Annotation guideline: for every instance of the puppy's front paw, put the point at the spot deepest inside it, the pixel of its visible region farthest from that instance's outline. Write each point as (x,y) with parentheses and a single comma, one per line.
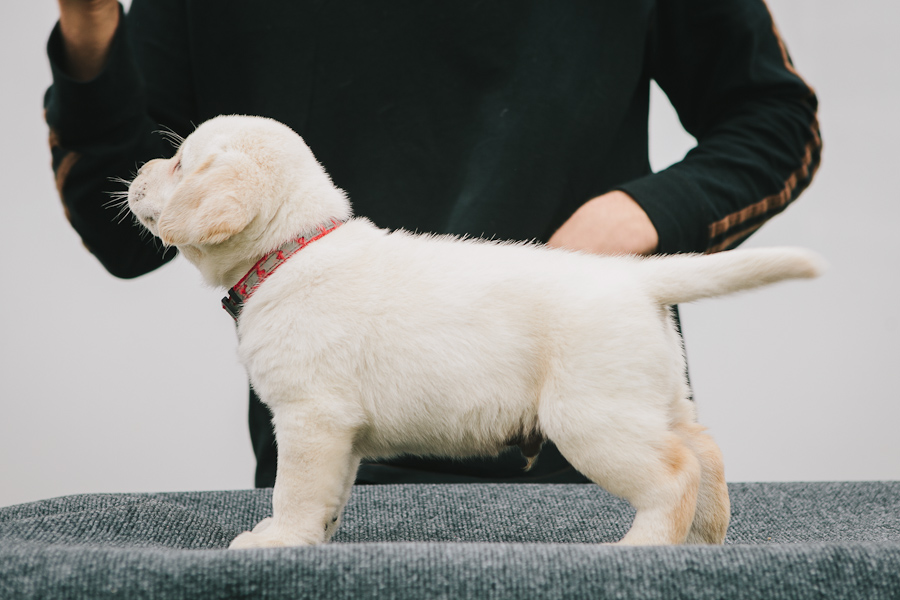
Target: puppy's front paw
(262,525)
(265,535)
(248,539)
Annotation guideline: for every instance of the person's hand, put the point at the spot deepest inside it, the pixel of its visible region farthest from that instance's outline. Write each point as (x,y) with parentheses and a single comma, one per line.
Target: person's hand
(87,27)
(609,224)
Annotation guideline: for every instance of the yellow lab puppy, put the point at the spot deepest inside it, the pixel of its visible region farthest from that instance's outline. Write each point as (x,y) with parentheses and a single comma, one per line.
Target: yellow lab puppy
(366,343)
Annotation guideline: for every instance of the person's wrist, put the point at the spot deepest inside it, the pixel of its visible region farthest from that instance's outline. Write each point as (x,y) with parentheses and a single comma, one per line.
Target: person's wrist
(613,223)
(87,28)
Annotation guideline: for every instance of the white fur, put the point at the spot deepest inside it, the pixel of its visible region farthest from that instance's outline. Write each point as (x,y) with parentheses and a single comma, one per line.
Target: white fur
(369,344)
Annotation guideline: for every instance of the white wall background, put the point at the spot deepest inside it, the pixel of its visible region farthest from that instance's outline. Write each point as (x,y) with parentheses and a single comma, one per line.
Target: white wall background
(119,386)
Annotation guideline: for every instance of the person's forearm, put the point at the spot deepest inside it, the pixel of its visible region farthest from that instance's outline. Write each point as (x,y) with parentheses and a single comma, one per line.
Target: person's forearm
(609,224)
(87,27)
(728,75)
(100,129)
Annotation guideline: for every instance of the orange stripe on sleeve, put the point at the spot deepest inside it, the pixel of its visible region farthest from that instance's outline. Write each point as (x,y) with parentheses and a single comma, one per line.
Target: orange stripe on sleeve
(731,225)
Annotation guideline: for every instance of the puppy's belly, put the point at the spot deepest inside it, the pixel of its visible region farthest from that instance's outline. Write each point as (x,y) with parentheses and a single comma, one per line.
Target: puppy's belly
(461,408)
(446,439)
(376,446)
(445,414)
(413,388)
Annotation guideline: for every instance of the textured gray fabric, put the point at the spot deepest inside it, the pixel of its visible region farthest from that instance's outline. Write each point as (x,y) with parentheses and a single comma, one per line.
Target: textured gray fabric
(787,540)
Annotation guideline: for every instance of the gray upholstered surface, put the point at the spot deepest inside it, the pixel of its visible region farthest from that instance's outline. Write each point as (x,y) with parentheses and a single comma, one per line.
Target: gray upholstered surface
(801,540)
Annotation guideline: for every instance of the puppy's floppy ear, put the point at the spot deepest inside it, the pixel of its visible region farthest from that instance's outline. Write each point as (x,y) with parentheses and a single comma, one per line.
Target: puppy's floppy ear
(212,203)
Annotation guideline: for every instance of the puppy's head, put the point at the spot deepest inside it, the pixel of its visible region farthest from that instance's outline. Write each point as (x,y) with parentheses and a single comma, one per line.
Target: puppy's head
(235,174)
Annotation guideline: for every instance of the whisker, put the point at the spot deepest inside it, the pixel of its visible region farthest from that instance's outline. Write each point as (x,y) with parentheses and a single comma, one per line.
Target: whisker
(170,136)
(117,200)
(122,180)
(120,203)
(123,213)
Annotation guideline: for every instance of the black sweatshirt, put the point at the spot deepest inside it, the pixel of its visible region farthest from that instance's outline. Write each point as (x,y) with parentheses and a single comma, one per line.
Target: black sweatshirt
(495,119)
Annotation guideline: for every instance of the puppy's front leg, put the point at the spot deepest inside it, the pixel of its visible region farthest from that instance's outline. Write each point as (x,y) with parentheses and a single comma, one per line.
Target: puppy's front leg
(352,468)
(316,469)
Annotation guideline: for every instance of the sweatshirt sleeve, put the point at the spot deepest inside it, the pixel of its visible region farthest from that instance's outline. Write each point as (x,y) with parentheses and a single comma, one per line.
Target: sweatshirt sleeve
(726,71)
(105,128)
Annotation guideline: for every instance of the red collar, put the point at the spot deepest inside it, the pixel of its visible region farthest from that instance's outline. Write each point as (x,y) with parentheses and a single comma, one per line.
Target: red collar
(240,293)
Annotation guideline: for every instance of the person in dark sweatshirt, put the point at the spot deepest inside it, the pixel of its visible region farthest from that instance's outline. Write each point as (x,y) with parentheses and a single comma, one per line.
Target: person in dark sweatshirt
(511,119)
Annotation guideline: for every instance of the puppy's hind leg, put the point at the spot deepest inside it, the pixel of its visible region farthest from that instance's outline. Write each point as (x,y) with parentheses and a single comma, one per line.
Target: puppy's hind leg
(316,468)
(642,462)
(713,506)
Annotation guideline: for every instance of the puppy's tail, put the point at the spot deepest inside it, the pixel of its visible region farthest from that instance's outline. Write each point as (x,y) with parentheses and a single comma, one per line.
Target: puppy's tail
(687,277)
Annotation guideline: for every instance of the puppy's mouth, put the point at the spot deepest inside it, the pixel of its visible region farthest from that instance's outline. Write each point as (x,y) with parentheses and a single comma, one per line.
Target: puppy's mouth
(147,220)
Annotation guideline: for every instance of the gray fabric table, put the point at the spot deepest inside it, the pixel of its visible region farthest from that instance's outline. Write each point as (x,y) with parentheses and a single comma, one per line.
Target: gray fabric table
(786,540)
